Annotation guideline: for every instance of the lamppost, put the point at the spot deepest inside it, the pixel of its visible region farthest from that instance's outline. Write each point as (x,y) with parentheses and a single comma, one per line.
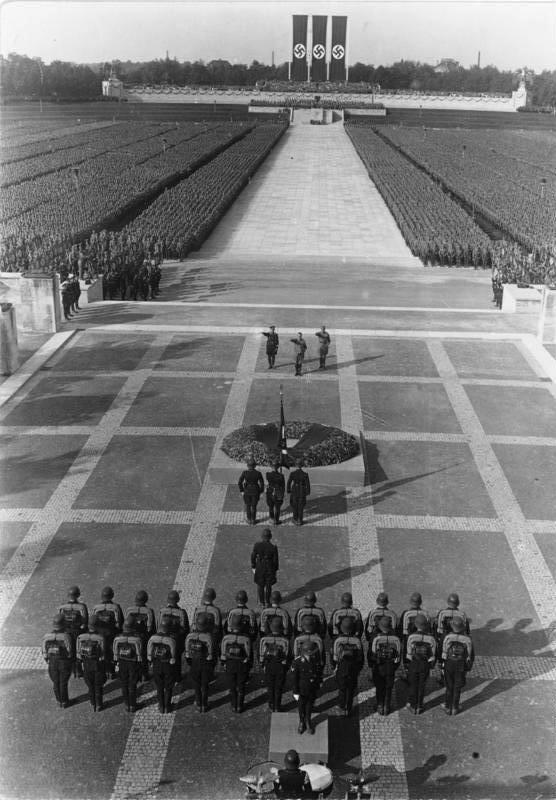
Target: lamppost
(543,187)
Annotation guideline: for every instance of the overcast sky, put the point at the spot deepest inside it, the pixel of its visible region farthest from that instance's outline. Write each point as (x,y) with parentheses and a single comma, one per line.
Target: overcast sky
(509,33)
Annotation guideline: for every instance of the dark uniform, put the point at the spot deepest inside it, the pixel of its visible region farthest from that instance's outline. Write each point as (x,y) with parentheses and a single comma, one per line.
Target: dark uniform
(275,491)
(272,342)
(346,611)
(110,620)
(310,609)
(406,624)
(420,654)
(237,657)
(265,565)
(251,486)
(347,658)
(200,656)
(300,348)
(178,626)
(384,656)
(141,619)
(381,610)
(76,618)
(272,612)
(91,654)
(307,676)
(161,653)
(292,782)
(128,655)
(242,618)
(298,488)
(457,660)
(275,658)
(443,624)
(324,344)
(310,635)
(65,288)
(213,613)
(57,649)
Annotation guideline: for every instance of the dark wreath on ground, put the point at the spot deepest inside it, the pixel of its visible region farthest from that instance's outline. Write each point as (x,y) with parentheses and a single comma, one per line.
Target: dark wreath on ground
(318,445)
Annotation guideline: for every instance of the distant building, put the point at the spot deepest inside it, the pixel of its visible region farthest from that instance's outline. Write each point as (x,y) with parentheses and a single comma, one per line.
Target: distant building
(447,65)
(113,87)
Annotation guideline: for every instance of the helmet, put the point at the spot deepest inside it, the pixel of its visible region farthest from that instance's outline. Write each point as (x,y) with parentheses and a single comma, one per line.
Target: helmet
(276,465)
(346,599)
(416,599)
(202,622)
(241,596)
(308,647)
(141,596)
(251,463)
(291,759)
(421,622)
(347,625)
(164,626)
(453,599)
(385,624)
(266,534)
(209,595)
(310,597)
(298,462)
(59,623)
(173,596)
(276,625)
(458,625)
(74,591)
(382,599)
(107,593)
(308,624)
(128,626)
(276,597)
(93,623)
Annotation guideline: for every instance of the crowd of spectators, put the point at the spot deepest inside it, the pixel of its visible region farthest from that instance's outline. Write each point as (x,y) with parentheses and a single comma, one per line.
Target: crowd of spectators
(293,101)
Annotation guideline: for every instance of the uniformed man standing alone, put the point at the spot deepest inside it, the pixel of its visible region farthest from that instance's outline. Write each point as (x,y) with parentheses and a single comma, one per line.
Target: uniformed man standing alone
(298,488)
(251,486)
(272,342)
(306,681)
(265,564)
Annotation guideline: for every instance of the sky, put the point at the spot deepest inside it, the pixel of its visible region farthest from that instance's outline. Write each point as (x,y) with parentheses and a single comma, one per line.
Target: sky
(508,33)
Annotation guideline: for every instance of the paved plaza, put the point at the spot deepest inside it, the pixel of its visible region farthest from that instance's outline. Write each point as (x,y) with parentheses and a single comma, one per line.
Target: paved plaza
(107,448)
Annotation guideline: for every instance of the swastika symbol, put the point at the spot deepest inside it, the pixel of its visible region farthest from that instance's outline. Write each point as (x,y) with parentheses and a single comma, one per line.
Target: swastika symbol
(299,50)
(318,51)
(338,51)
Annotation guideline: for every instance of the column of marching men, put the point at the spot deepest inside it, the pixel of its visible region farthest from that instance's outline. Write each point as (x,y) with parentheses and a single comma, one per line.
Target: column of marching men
(138,644)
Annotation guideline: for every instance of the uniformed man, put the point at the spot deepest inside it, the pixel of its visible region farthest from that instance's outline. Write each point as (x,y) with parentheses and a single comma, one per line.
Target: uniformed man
(275,658)
(242,617)
(292,782)
(75,292)
(310,609)
(272,342)
(324,344)
(76,618)
(91,653)
(213,615)
(347,658)
(444,618)
(275,610)
(309,634)
(381,610)
(298,488)
(307,676)
(65,289)
(275,491)
(178,626)
(128,655)
(200,656)
(141,619)
(237,657)
(110,620)
(384,656)
(251,486)
(420,654)
(406,624)
(457,661)
(161,653)
(57,650)
(264,565)
(346,610)
(300,348)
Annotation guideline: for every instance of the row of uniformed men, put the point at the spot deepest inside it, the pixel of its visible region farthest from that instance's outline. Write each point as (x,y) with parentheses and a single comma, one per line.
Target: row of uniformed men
(111,644)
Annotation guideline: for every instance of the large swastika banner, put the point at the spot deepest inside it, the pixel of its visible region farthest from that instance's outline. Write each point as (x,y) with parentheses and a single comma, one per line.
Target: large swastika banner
(338,49)
(299,48)
(318,54)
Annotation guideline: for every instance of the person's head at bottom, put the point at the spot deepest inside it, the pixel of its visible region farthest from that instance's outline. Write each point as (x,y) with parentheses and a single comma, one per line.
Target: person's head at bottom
(291,759)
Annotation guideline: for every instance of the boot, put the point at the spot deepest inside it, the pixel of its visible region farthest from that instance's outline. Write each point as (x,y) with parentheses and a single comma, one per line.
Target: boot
(168,700)
(240,701)
(301,727)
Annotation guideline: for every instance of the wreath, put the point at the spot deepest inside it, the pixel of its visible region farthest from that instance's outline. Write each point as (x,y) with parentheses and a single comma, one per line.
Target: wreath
(318,445)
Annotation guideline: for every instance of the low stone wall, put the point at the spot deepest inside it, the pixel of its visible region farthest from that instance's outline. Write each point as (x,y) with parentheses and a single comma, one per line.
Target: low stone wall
(36,298)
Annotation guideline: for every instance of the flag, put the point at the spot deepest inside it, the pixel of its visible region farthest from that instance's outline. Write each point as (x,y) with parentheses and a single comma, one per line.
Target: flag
(299,48)
(338,49)
(282,439)
(318,52)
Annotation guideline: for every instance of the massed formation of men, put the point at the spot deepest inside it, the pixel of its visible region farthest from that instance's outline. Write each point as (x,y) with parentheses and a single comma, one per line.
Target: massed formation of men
(137,644)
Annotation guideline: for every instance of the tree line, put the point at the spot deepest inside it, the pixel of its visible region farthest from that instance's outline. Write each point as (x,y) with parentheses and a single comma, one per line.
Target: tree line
(21,76)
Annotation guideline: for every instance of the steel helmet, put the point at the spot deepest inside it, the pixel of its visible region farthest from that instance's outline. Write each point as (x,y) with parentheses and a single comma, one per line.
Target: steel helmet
(241,596)
(346,599)
(382,599)
(141,596)
(209,595)
(310,597)
(453,599)
(107,593)
(291,759)
(416,599)
(74,591)
(173,596)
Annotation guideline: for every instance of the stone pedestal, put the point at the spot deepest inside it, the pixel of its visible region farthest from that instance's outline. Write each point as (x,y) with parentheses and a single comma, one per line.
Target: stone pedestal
(312,748)
(90,292)
(40,308)
(518,300)
(9,352)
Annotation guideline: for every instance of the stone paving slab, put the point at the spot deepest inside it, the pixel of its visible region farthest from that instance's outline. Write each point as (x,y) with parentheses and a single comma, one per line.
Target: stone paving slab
(530,472)
(407,407)
(507,410)
(197,353)
(302,401)
(547,543)
(11,535)
(488,359)
(178,401)
(393,357)
(105,353)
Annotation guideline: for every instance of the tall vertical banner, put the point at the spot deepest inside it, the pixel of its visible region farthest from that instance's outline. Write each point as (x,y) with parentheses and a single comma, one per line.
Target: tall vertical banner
(299,48)
(318,53)
(338,49)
